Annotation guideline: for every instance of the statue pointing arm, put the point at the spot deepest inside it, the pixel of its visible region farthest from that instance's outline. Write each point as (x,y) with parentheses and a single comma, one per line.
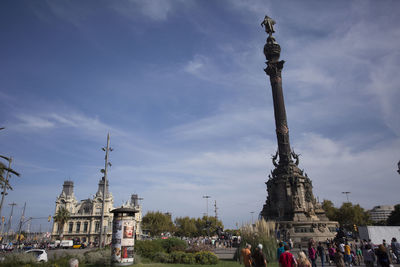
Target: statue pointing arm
(268,23)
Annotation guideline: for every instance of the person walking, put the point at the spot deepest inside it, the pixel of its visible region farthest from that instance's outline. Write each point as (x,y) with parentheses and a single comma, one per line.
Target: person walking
(246,256)
(369,256)
(382,256)
(280,250)
(359,254)
(331,252)
(287,259)
(302,260)
(395,249)
(339,258)
(321,253)
(259,257)
(312,253)
(347,254)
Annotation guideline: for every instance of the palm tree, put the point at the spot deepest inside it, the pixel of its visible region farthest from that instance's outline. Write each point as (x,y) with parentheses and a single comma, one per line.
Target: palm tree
(62,216)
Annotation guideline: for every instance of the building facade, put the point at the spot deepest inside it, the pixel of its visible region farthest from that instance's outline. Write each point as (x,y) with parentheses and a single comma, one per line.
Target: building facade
(381,213)
(85,215)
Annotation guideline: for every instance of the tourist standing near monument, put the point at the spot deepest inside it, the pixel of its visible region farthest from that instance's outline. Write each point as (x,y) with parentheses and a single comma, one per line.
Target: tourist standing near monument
(396,249)
(280,250)
(383,258)
(368,255)
(287,259)
(321,253)
(331,251)
(246,256)
(347,254)
(339,258)
(312,253)
(302,260)
(259,257)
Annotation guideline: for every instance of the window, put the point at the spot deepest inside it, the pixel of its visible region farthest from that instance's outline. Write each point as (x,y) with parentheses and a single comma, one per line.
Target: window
(71,225)
(85,227)
(97,227)
(78,227)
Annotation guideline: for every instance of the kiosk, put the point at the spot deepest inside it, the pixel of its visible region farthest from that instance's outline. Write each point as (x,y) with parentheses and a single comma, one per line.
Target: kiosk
(123,236)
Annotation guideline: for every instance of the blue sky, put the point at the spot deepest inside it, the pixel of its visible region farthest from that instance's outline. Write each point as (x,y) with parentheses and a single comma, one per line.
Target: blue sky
(180,87)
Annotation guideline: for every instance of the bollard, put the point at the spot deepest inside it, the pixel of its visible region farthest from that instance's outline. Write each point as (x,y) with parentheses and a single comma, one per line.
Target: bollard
(123,236)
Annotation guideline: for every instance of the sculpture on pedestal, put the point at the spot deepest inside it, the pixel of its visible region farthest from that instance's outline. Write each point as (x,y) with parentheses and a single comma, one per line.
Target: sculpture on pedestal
(290,200)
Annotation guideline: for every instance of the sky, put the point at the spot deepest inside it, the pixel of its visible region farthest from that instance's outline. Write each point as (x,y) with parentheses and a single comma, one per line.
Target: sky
(180,87)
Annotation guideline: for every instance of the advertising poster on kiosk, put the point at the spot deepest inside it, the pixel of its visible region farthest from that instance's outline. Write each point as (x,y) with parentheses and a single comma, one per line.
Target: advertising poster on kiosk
(128,241)
(116,241)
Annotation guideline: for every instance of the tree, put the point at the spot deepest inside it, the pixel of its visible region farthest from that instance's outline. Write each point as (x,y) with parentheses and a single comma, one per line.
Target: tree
(394,217)
(61,217)
(330,210)
(348,215)
(157,223)
(186,227)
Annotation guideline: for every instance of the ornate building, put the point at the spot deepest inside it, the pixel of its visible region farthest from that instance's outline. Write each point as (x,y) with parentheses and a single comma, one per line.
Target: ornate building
(85,215)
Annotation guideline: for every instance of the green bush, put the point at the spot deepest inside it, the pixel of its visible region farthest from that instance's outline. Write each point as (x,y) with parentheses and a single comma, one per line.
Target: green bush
(173,244)
(18,259)
(161,257)
(99,257)
(206,257)
(188,258)
(177,256)
(148,248)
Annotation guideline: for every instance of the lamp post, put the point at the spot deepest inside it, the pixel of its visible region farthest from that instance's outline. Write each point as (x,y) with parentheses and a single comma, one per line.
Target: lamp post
(347,195)
(206,197)
(104,171)
(207,224)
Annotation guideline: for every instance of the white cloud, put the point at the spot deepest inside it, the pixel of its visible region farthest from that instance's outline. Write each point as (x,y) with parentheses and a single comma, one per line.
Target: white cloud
(42,121)
(226,124)
(34,122)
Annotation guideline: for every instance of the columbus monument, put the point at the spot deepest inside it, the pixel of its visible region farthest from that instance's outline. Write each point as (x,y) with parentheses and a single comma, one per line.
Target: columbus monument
(290,200)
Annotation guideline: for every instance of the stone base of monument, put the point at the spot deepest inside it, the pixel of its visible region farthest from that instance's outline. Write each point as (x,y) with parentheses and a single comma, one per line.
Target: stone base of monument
(300,232)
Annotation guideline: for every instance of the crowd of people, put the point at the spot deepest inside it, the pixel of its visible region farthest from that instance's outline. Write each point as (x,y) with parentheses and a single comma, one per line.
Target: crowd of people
(341,253)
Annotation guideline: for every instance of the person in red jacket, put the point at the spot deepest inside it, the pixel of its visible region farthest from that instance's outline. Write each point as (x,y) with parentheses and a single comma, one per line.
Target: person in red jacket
(287,259)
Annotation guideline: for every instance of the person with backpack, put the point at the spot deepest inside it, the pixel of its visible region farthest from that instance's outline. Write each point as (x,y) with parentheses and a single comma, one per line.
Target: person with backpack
(383,258)
(259,258)
(312,253)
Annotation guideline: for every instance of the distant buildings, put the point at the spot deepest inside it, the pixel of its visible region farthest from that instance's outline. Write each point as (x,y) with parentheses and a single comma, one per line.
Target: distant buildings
(85,215)
(381,213)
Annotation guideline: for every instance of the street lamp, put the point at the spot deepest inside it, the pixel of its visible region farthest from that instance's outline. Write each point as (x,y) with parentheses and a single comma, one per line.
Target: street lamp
(347,195)
(206,197)
(252,221)
(207,223)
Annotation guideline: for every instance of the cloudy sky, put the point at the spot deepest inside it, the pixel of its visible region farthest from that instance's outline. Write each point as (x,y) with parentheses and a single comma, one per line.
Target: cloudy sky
(180,87)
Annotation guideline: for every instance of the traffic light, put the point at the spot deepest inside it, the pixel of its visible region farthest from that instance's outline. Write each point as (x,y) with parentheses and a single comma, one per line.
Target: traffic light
(355,228)
(49,219)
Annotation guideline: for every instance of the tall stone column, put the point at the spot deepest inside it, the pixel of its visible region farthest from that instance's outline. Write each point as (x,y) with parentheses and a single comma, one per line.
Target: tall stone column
(274,68)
